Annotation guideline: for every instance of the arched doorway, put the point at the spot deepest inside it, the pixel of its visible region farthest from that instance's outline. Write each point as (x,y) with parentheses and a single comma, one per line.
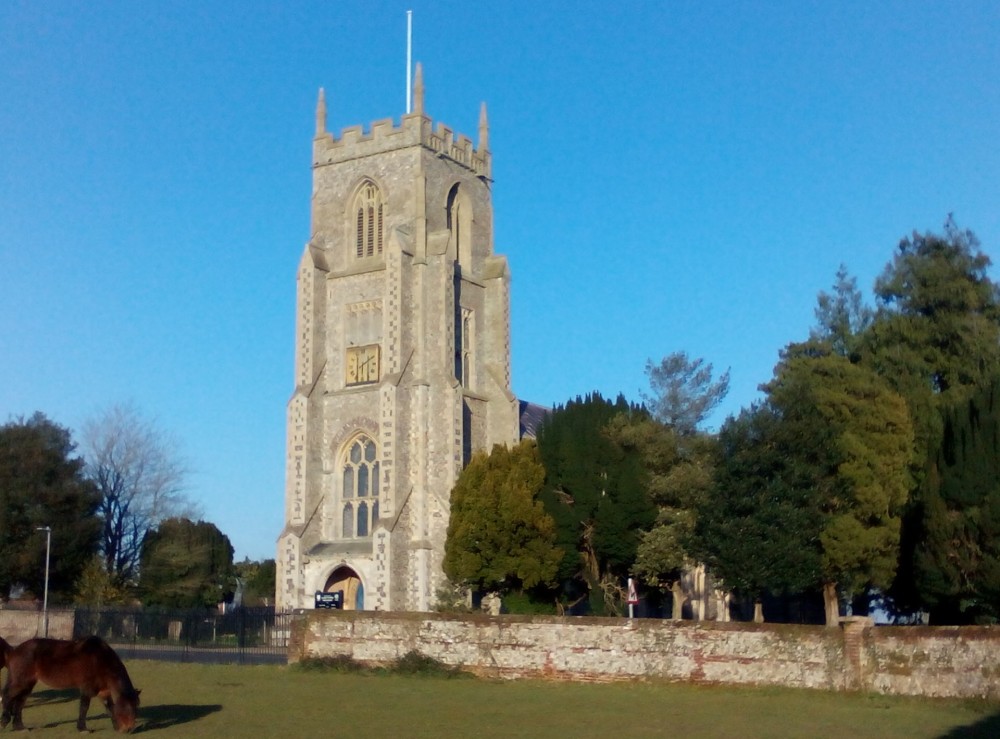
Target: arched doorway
(345,579)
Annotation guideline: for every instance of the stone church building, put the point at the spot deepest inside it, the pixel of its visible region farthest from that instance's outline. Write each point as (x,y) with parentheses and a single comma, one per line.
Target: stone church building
(402,359)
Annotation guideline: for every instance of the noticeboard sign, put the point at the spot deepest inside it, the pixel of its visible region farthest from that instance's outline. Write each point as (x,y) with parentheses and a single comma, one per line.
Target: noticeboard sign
(330,600)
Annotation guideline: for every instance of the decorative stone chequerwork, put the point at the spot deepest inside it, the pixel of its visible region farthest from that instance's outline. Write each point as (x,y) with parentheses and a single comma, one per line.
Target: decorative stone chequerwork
(402,338)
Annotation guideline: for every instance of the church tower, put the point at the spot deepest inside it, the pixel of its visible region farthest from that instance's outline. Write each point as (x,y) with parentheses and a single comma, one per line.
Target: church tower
(402,359)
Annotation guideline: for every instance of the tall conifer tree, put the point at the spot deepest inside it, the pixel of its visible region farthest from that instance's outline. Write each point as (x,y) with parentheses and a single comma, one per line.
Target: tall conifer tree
(957,557)
(597,492)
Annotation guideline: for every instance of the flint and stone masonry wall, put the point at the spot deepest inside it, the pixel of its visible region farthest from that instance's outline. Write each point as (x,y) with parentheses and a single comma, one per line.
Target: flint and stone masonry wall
(927,661)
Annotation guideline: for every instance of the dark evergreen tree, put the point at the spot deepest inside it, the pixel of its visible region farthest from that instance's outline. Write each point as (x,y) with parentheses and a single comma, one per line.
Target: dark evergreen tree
(42,484)
(597,492)
(759,531)
(957,555)
(186,564)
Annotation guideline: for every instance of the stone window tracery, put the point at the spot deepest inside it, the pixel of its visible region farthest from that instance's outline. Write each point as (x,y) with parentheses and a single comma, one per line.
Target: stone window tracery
(369,212)
(360,488)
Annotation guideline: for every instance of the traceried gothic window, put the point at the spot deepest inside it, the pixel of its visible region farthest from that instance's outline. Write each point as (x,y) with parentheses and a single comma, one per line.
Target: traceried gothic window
(360,491)
(369,213)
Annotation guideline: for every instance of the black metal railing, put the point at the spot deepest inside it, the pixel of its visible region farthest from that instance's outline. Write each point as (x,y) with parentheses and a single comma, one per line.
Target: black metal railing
(241,635)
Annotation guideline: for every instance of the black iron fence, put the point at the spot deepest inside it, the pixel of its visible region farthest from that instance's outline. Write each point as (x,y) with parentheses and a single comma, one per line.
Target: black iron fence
(241,635)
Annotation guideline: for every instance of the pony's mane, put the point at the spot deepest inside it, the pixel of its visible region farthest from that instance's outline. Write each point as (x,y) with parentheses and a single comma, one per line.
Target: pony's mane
(96,645)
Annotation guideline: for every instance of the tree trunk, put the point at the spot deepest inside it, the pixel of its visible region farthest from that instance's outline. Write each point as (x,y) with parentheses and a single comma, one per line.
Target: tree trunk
(758,612)
(831,604)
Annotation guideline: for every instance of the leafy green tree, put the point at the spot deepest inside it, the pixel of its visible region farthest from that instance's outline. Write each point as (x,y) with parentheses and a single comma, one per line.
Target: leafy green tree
(862,471)
(678,474)
(957,557)
(936,340)
(597,492)
(939,316)
(96,588)
(500,539)
(186,564)
(936,335)
(42,484)
(811,484)
(678,461)
(257,579)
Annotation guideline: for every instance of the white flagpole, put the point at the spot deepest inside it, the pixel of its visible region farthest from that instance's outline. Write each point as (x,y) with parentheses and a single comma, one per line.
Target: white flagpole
(409,48)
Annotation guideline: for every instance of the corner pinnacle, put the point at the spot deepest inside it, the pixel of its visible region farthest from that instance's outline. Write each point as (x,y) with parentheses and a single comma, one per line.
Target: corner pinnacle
(418,89)
(484,129)
(321,113)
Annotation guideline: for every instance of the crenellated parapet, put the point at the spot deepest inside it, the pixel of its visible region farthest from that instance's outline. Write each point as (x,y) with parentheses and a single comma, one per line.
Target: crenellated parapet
(414,129)
(383,136)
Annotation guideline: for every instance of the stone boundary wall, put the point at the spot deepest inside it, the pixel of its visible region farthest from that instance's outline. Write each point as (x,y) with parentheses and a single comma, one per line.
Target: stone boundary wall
(940,661)
(927,661)
(17,626)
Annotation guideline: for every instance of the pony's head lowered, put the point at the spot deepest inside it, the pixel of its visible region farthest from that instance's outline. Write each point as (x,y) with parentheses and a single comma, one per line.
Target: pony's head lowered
(124,708)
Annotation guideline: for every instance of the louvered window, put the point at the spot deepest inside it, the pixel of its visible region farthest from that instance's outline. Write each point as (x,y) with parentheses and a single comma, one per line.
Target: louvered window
(368,229)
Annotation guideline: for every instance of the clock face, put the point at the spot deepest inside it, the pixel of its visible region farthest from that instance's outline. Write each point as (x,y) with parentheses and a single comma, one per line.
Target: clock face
(352,366)
(362,364)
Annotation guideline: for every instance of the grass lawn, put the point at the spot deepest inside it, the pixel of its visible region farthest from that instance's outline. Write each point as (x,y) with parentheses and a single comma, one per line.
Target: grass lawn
(180,700)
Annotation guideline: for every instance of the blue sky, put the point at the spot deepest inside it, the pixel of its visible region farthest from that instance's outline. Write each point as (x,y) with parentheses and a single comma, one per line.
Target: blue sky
(668,176)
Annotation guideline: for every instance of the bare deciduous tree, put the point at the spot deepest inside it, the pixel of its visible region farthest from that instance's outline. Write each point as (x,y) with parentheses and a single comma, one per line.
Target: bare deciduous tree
(138,471)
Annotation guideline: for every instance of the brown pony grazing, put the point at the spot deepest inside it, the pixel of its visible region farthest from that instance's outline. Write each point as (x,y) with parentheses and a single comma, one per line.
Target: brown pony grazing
(89,665)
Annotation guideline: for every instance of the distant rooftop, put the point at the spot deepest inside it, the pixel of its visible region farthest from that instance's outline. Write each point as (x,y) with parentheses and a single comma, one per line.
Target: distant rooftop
(531,417)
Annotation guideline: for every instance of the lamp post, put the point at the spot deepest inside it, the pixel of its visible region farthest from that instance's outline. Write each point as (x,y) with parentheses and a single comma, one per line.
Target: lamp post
(45,600)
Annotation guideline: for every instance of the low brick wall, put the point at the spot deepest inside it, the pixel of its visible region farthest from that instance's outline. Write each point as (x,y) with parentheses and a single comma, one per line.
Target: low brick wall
(856,656)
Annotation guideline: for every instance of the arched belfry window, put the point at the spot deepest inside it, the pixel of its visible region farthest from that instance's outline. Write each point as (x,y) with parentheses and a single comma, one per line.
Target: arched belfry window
(459,211)
(360,493)
(369,215)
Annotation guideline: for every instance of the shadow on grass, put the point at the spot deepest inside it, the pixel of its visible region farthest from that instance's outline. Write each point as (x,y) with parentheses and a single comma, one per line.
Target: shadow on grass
(988,726)
(52,697)
(152,718)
